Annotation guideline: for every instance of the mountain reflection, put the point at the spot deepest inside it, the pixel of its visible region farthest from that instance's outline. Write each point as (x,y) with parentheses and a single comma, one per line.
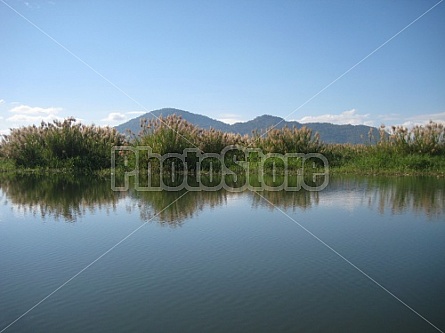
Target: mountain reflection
(70,198)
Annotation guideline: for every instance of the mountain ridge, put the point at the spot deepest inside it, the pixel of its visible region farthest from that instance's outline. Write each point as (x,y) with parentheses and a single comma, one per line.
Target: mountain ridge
(329,133)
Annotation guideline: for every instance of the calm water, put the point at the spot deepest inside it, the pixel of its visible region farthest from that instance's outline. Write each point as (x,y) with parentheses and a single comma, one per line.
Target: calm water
(222,262)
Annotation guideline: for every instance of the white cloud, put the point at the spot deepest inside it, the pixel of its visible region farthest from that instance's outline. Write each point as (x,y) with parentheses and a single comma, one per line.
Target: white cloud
(2,101)
(117,117)
(35,111)
(229,118)
(229,121)
(25,115)
(424,119)
(114,116)
(346,117)
(24,118)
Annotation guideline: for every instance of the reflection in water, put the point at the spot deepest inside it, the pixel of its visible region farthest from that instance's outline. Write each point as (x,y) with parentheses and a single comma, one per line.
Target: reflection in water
(165,207)
(418,195)
(395,195)
(286,200)
(59,196)
(70,198)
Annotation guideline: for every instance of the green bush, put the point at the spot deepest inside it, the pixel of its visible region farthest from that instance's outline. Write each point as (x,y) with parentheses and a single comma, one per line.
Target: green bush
(67,144)
(61,144)
(428,139)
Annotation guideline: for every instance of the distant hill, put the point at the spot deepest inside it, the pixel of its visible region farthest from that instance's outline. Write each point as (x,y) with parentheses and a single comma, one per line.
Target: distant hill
(196,119)
(329,133)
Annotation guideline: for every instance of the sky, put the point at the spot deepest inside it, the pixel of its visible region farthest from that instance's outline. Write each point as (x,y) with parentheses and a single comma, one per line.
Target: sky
(104,62)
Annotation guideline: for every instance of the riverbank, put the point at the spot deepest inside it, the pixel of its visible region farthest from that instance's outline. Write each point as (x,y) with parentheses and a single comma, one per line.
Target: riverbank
(410,166)
(71,148)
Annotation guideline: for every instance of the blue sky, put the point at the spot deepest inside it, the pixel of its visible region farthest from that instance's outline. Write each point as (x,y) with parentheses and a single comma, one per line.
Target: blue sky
(109,61)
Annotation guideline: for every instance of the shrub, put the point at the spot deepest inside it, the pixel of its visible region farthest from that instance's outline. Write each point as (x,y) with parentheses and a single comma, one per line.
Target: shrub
(61,144)
(288,140)
(428,139)
(171,134)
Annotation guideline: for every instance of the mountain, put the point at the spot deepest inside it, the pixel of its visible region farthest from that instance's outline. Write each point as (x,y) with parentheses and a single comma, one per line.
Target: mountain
(201,121)
(329,133)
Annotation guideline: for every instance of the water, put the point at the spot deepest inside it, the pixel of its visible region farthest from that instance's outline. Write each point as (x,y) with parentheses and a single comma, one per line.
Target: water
(220,261)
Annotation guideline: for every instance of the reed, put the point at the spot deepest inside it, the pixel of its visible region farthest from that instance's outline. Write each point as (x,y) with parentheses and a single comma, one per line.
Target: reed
(288,140)
(61,144)
(68,144)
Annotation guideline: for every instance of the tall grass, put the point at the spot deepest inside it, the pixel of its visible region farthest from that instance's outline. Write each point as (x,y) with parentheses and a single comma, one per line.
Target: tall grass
(400,150)
(287,140)
(61,144)
(427,140)
(67,144)
(172,134)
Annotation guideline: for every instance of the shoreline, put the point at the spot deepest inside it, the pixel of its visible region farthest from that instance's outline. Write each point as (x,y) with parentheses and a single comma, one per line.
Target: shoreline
(8,169)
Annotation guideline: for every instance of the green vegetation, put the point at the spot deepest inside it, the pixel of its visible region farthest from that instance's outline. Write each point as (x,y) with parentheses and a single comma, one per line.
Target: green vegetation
(71,146)
(60,145)
(6,164)
(420,150)
(173,134)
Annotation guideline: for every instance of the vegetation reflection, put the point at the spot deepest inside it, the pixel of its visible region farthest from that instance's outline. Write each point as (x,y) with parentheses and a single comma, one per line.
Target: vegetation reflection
(395,195)
(61,196)
(70,198)
(173,208)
